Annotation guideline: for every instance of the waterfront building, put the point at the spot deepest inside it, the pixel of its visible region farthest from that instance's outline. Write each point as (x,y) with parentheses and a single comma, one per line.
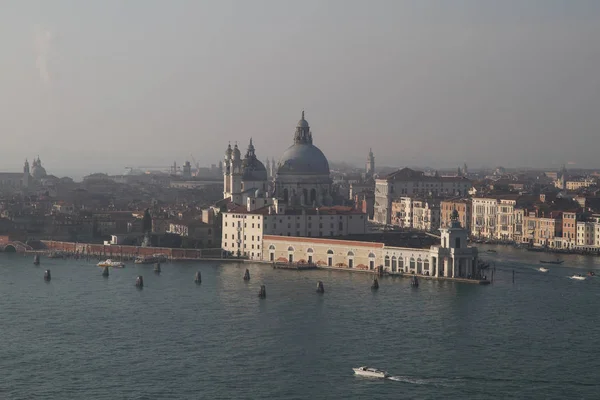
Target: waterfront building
(243,227)
(408,182)
(518,215)
(543,230)
(451,258)
(484,217)
(505,219)
(415,213)
(569,229)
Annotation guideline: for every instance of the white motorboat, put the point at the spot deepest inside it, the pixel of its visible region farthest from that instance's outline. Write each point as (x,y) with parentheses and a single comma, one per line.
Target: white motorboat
(370,372)
(542,269)
(111,263)
(578,277)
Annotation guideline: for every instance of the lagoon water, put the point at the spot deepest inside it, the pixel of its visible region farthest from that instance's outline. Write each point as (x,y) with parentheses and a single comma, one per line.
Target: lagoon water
(82,336)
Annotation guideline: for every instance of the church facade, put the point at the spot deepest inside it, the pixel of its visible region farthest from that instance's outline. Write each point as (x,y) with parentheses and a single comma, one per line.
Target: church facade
(24,180)
(300,178)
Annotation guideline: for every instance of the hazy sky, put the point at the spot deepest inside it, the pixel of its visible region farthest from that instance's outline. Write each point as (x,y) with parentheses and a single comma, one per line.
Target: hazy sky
(100,85)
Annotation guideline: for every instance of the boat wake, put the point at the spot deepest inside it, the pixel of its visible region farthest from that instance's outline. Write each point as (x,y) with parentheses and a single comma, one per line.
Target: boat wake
(421,381)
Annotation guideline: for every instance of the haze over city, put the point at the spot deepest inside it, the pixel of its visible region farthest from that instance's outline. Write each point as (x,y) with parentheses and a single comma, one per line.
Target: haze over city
(97,87)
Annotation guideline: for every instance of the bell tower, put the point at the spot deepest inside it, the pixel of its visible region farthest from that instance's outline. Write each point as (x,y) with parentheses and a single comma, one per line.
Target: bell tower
(370,164)
(26,175)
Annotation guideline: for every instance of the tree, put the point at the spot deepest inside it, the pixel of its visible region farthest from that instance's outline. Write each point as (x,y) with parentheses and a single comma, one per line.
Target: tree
(147,221)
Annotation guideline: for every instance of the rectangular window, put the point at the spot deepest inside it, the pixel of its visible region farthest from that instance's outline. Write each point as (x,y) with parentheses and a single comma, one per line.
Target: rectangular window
(225,236)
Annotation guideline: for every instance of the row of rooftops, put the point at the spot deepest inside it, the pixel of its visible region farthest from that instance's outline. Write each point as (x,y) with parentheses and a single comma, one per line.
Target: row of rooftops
(268,210)
(408,174)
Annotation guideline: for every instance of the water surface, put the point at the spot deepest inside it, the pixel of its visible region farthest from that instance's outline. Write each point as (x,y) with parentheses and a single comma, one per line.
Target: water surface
(85,336)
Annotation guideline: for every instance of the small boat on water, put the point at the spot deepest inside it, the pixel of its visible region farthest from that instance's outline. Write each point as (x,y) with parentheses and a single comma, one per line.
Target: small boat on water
(111,263)
(153,259)
(578,277)
(591,273)
(371,372)
(542,269)
(491,251)
(552,262)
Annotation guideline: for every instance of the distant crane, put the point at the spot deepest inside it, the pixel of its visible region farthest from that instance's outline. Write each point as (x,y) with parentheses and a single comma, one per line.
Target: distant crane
(196,163)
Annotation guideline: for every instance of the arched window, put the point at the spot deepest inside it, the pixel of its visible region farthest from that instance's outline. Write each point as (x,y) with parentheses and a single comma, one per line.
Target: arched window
(393,263)
(350,259)
(350,254)
(290,248)
(400,263)
(419,266)
(426,265)
(310,250)
(313,196)
(386,261)
(371,255)
(329,251)
(271,247)
(412,264)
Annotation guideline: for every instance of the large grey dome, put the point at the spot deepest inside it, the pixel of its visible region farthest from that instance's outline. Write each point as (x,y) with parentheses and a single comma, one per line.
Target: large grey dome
(303,159)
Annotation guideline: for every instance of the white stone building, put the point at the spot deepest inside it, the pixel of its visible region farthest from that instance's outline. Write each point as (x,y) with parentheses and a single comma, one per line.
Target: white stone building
(451,258)
(485,216)
(245,226)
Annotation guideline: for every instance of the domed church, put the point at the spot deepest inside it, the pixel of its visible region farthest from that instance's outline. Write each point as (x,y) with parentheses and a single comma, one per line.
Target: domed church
(302,176)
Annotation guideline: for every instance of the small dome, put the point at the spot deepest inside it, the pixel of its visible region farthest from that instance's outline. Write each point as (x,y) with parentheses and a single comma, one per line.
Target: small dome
(228,151)
(37,171)
(259,193)
(302,123)
(236,152)
(253,170)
